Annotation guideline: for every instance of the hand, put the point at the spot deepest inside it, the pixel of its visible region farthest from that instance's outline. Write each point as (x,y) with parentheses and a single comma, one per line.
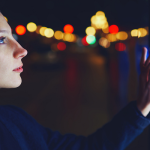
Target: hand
(143,101)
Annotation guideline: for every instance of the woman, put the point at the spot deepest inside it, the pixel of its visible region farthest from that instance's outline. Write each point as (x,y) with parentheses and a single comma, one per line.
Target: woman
(19,131)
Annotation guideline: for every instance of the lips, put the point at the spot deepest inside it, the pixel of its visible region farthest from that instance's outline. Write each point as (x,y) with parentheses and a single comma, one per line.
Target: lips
(18,68)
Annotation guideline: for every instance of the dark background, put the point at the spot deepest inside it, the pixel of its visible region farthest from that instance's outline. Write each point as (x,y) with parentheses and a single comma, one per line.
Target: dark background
(86,86)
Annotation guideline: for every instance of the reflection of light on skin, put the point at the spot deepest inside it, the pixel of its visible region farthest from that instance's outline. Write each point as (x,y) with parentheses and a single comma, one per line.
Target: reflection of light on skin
(122,35)
(142,32)
(6,19)
(38,29)
(134,32)
(42,29)
(49,32)
(15,37)
(58,35)
(31,27)
(90,31)
(111,37)
(104,42)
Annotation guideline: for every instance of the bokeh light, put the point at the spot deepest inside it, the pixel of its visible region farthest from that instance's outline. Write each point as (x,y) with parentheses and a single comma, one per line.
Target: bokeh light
(134,33)
(61,46)
(113,29)
(31,27)
(100,13)
(90,31)
(142,32)
(42,29)
(48,32)
(105,30)
(58,35)
(104,42)
(84,42)
(90,39)
(20,30)
(121,35)
(111,37)
(120,46)
(68,28)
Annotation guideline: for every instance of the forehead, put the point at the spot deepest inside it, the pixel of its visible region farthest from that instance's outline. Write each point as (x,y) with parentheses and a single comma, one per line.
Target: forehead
(3,24)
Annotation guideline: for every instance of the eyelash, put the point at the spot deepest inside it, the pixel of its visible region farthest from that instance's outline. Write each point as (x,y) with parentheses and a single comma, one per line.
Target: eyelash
(2,39)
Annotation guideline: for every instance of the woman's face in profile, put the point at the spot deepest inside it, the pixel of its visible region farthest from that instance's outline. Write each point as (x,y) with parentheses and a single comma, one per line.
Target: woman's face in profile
(11,53)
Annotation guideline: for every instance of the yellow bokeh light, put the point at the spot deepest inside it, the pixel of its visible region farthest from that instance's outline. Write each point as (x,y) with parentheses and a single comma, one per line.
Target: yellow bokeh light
(105,30)
(100,13)
(49,32)
(134,32)
(6,19)
(90,31)
(122,35)
(142,32)
(73,38)
(58,35)
(31,27)
(67,37)
(42,29)
(111,37)
(104,42)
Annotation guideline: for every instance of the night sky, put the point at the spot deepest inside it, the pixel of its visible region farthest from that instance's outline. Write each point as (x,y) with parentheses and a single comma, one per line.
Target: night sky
(127,14)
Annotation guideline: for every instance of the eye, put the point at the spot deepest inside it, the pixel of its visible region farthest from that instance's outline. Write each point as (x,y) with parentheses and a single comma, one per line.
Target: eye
(2,40)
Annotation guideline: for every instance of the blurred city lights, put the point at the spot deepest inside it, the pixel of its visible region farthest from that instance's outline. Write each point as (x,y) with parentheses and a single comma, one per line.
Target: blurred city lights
(142,32)
(104,42)
(134,32)
(90,31)
(61,46)
(31,27)
(15,37)
(99,20)
(113,29)
(20,30)
(90,39)
(67,37)
(58,35)
(84,42)
(6,19)
(105,30)
(120,46)
(48,32)
(121,35)
(100,13)
(68,28)
(42,29)
(38,29)
(111,37)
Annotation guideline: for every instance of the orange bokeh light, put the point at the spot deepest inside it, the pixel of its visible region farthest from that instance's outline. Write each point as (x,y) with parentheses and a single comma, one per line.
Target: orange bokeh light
(20,30)
(68,28)
(113,29)
(61,46)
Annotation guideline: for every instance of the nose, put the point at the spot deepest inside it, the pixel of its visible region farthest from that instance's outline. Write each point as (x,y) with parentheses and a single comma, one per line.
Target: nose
(20,52)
